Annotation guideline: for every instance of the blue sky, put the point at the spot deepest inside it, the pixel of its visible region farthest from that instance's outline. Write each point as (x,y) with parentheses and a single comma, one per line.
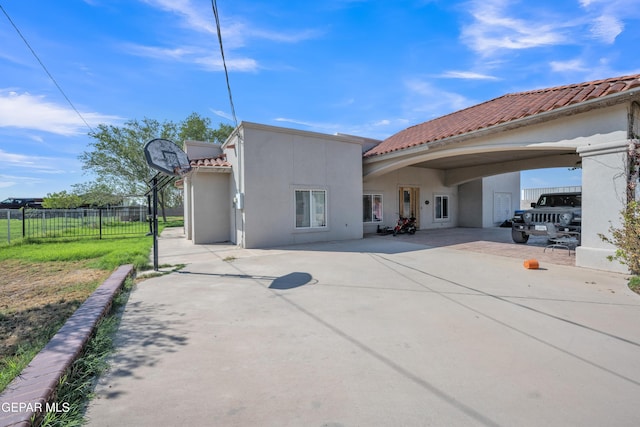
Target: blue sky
(369,68)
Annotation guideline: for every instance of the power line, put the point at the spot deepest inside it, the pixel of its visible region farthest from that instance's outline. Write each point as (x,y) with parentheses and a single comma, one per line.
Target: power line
(45,69)
(214,6)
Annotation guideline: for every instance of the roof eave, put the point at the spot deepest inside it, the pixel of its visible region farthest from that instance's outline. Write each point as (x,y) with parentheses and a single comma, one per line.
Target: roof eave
(569,110)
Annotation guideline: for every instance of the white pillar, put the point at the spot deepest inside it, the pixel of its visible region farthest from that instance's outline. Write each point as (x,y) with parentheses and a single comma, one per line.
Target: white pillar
(604,183)
(187,207)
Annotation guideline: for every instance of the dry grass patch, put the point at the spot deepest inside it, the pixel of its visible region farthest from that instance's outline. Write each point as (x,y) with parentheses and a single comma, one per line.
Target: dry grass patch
(37,296)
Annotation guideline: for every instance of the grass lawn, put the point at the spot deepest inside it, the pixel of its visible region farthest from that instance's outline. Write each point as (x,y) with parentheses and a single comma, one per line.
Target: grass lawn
(44,282)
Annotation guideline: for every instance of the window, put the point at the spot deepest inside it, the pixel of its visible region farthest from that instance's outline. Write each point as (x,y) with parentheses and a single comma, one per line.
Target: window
(311,208)
(442,208)
(372,208)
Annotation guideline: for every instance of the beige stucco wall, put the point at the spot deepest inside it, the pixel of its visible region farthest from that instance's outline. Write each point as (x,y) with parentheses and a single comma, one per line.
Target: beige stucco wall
(471,198)
(428,181)
(497,186)
(471,204)
(206,197)
(210,207)
(603,200)
(270,163)
(561,133)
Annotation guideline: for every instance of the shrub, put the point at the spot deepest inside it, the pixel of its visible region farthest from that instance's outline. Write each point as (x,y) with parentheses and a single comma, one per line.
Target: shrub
(627,238)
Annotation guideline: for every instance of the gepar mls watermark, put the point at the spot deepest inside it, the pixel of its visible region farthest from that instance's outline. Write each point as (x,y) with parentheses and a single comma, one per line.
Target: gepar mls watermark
(19,407)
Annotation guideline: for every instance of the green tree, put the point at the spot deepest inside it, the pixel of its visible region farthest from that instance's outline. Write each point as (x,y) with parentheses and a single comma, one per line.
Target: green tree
(197,128)
(97,194)
(61,200)
(116,154)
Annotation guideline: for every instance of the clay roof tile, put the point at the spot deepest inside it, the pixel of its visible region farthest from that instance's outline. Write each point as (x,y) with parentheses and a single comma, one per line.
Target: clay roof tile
(502,110)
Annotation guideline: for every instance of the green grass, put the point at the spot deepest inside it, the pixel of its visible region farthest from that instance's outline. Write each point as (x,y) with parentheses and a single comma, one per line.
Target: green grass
(105,254)
(76,387)
(49,257)
(634,284)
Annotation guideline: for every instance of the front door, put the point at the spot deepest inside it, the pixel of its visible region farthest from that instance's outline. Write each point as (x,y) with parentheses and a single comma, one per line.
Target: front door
(409,206)
(501,207)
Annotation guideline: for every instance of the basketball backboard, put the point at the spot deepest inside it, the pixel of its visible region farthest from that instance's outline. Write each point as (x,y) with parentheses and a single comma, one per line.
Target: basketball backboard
(165,156)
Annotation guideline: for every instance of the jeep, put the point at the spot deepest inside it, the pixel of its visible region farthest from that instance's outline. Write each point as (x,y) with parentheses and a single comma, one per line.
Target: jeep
(553,215)
(12,203)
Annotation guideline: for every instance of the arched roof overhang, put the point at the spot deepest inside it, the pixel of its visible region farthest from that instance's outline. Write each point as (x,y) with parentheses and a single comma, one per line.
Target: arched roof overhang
(474,142)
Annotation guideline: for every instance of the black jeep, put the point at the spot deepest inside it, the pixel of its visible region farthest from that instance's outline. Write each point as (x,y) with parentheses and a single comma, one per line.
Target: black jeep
(12,203)
(554,215)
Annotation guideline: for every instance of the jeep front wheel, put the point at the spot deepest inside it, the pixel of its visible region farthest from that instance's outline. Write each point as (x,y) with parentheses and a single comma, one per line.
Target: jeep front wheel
(519,236)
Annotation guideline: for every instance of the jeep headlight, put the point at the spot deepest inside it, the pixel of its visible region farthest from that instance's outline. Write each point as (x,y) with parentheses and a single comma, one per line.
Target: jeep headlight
(565,218)
(527,217)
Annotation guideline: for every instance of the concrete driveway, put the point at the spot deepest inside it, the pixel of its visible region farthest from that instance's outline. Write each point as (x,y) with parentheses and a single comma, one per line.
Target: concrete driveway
(375,332)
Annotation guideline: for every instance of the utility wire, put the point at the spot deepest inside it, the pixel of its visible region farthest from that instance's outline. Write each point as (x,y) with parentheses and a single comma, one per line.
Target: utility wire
(214,6)
(45,69)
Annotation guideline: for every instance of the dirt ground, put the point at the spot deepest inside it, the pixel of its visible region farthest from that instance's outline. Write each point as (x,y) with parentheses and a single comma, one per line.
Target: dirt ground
(37,297)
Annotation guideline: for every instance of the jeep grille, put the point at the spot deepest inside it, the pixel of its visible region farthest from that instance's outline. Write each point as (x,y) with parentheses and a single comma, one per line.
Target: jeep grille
(543,218)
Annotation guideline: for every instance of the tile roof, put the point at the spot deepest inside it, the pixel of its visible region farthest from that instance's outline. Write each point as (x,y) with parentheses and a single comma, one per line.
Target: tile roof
(503,109)
(220,161)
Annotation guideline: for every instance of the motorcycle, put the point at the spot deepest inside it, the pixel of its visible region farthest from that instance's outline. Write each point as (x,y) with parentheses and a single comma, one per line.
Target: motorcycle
(405,225)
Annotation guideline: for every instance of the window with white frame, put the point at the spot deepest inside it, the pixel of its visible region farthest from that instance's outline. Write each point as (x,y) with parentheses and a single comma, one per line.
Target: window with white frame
(441,207)
(372,208)
(311,208)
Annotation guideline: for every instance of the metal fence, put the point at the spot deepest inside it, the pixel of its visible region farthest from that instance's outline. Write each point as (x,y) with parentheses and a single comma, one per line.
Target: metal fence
(17,224)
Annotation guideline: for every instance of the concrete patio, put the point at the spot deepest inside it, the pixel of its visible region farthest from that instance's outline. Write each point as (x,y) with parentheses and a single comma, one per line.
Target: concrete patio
(381,331)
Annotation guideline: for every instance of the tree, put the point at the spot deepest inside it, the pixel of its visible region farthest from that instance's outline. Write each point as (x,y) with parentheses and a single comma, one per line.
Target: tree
(97,194)
(61,200)
(117,156)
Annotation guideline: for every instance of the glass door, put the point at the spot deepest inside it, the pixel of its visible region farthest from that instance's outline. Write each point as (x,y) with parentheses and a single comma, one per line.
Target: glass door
(409,206)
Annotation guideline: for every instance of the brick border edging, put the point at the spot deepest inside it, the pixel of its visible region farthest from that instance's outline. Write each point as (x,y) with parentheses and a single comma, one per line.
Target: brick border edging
(27,395)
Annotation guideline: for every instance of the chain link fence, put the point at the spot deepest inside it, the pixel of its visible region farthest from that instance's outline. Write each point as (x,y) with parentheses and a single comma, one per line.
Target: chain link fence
(18,224)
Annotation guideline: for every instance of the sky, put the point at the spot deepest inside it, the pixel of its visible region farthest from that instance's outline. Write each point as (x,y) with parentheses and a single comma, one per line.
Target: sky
(363,67)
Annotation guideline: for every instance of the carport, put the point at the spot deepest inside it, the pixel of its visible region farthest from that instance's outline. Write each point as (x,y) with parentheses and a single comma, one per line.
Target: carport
(592,125)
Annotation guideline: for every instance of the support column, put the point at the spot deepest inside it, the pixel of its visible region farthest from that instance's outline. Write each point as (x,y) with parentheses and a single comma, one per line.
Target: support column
(604,196)
(188,208)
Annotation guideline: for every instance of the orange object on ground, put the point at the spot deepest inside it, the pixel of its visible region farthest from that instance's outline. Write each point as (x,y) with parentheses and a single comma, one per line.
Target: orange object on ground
(531,264)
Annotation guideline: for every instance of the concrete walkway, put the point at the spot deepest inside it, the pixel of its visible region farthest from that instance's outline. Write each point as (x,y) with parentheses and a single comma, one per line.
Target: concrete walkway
(377,332)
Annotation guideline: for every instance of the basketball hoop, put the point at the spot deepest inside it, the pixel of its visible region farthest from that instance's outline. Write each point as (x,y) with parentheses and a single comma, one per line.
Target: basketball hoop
(168,159)
(165,156)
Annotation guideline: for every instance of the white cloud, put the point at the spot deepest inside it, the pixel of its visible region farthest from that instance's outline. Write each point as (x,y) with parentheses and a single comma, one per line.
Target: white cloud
(16,159)
(571,65)
(199,18)
(607,28)
(607,17)
(26,111)
(41,164)
(314,125)
(467,75)
(222,114)
(425,97)
(234,64)
(494,30)
(193,55)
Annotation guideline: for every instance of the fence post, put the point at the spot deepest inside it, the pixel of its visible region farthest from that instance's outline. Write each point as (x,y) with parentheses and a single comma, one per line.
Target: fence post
(100,221)
(8,225)
(24,228)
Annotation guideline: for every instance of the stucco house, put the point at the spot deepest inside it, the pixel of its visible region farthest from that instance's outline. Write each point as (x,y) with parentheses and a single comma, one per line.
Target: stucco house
(271,186)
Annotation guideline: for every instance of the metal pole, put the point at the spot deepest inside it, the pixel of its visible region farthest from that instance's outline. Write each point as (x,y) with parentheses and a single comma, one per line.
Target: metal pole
(155,223)
(8,226)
